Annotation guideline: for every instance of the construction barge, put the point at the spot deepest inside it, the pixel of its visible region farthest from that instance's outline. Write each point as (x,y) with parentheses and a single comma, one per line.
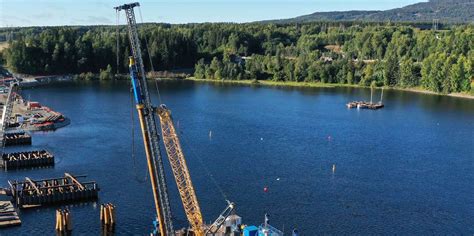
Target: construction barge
(17,138)
(364,105)
(18,160)
(367,105)
(32,193)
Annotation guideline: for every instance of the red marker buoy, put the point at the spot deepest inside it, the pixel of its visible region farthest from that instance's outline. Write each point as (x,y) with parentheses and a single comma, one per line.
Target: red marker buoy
(265,189)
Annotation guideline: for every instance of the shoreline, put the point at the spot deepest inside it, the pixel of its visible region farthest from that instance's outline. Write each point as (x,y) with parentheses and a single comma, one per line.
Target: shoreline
(323,85)
(268,83)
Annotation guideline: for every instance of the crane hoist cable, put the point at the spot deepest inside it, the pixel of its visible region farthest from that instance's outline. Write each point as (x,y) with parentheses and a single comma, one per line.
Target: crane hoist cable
(117,33)
(146,41)
(149,57)
(206,169)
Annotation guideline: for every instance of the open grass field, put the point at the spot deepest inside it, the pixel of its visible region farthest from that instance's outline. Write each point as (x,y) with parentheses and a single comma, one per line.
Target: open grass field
(3,45)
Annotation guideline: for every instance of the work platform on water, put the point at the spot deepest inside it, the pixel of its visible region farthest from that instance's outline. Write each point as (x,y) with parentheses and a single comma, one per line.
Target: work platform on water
(18,160)
(30,193)
(367,105)
(17,138)
(8,215)
(364,105)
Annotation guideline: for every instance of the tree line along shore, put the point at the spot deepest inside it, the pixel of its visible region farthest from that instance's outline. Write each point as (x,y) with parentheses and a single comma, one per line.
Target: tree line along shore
(340,53)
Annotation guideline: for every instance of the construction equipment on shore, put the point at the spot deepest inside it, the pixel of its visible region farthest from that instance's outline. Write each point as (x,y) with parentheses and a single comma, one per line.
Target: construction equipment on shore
(227,221)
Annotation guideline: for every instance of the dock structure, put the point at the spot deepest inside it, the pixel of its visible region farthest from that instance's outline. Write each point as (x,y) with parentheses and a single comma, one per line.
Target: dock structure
(17,138)
(364,105)
(6,110)
(18,160)
(8,215)
(367,105)
(30,193)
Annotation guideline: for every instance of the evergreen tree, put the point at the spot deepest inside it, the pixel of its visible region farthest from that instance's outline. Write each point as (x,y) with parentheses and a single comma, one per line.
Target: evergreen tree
(407,76)
(200,70)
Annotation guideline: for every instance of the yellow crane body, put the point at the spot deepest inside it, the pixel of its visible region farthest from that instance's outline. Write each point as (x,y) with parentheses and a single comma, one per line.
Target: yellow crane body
(180,171)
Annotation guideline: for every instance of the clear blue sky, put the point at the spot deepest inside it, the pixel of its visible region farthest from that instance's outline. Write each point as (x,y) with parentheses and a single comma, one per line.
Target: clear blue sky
(93,12)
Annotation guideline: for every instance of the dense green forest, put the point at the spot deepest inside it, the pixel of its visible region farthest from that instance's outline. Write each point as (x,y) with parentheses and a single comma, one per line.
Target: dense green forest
(349,53)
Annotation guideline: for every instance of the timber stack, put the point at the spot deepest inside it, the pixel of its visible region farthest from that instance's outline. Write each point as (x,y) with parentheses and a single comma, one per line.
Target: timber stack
(8,215)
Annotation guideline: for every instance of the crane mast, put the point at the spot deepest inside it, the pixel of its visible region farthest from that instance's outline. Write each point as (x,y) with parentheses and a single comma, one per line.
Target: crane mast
(147,119)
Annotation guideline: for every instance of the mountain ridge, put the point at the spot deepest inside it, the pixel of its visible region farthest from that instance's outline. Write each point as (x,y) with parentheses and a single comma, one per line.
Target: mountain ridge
(446,11)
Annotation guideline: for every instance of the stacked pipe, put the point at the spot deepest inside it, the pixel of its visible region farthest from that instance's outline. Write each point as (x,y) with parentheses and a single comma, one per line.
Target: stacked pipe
(63,221)
(107,218)
(107,214)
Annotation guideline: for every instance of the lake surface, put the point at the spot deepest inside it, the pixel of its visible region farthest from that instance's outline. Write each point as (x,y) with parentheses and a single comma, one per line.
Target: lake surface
(405,169)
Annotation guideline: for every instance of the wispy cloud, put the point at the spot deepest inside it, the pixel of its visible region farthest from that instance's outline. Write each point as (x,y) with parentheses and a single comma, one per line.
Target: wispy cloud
(97,19)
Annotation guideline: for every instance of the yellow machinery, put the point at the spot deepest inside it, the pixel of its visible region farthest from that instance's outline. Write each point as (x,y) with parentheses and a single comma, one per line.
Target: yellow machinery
(180,170)
(147,116)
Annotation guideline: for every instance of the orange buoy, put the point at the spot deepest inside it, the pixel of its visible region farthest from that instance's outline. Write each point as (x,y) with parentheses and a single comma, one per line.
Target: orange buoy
(265,189)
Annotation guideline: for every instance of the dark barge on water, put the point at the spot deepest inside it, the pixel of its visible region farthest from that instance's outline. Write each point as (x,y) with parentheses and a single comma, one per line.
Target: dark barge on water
(364,105)
(18,160)
(367,105)
(17,138)
(31,193)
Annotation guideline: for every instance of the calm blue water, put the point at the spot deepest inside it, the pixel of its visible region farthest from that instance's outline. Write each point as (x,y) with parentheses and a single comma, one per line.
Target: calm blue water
(405,169)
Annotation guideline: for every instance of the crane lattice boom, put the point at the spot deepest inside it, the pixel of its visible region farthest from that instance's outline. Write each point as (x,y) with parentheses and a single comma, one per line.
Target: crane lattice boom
(180,171)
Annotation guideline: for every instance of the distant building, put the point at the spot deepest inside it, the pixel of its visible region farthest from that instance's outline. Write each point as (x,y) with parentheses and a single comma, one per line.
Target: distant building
(326,59)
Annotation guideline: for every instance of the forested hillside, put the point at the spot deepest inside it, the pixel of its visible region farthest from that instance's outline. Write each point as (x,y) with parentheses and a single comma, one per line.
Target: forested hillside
(446,11)
(347,53)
